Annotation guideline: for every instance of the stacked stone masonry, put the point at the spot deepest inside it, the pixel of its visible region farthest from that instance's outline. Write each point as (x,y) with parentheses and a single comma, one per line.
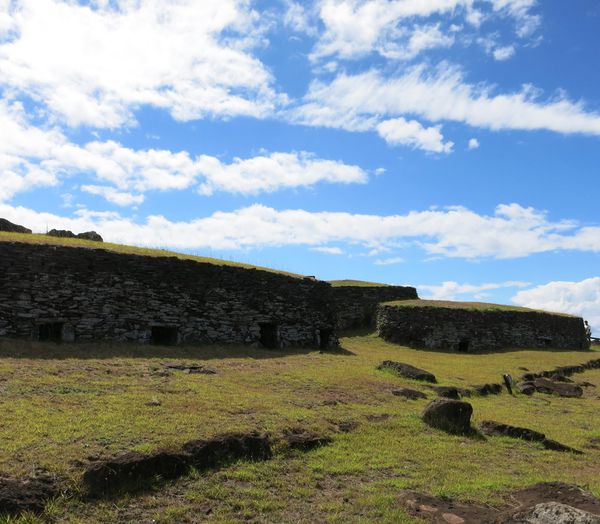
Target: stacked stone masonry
(478,330)
(357,305)
(81,294)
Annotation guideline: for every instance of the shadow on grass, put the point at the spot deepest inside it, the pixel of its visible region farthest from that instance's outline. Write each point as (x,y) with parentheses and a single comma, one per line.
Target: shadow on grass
(500,351)
(12,348)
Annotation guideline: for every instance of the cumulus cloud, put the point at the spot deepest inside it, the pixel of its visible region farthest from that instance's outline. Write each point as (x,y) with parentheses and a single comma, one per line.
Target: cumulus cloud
(578,298)
(503,53)
(512,231)
(473,143)
(358,102)
(412,133)
(451,290)
(95,63)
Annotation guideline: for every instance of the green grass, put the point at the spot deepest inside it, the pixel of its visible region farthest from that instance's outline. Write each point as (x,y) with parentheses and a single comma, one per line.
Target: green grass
(356,283)
(128,250)
(61,404)
(471,306)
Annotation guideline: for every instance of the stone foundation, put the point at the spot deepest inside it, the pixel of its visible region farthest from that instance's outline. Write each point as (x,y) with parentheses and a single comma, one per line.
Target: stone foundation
(468,330)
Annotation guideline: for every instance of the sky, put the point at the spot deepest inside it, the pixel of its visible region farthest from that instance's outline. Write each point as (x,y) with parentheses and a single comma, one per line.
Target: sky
(452,145)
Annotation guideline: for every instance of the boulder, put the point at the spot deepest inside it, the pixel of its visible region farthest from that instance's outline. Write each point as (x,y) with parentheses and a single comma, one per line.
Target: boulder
(90,235)
(9,227)
(408,371)
(447,392)
(487,389)
(527,388)
(555,513)
(544,385)
(452,416)
(410,394)
(61,233)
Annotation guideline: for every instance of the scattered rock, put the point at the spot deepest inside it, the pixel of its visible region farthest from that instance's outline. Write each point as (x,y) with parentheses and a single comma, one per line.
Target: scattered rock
(154,402)
(487,389)
(410,394)
(9,227)
(378,417)
(228,447)
(546,503)
(408,371)
(304,440)
(555,513)
(497,429)
(61,233)
(132,471)
(90,235)
(191,368)
(346,426)
(447,392)
(592,443)
(544,385)
(29,494)
(453,416)
(527,388)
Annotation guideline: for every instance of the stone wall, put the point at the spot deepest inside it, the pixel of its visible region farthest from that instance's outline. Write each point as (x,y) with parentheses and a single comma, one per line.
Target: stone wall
(81,294)
(356,305)
(478,330)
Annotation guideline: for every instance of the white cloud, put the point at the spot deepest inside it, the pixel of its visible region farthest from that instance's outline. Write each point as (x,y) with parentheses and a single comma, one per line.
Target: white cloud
(450,290)
(95,64)
(388,261)
(328,250)
(473,143)
(503,53)
(422,38)
(119,198)
(578,298)
(358,102)
(298,18)
(513,231)
(412,133)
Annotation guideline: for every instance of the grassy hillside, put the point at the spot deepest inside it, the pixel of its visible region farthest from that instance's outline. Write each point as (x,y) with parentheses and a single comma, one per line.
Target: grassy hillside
(473,306)
(356,283)
(62,404)
(128,250)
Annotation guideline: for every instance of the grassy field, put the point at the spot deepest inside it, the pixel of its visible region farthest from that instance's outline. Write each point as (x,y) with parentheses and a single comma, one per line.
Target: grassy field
(62,404)
(128,250)
(472,306)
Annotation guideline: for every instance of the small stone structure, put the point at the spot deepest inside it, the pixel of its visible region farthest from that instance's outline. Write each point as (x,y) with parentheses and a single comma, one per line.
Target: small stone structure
(428,324)
(64,293)
(357,305)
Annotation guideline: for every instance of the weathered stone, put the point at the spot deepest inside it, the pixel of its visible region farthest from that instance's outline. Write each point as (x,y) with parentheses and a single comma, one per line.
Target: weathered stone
(465,330)
(191,368)
(555,513)
(452,416)
(9,227)
(557,446)
(487,389)
(90,235)
(61,233)
(492,428)
(527,388)
(411,394)
(543,385)
(408,371)
(447,392)
(222,449)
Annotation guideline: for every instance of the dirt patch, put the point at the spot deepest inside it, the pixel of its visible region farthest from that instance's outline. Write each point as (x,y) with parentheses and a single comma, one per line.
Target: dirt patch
(446,511)
(303,439)
(29,494)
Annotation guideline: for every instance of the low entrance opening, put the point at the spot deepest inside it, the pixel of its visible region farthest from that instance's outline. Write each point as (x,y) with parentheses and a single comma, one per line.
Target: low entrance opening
(325,338)
(164,335)
(547,341)
(50,331)
(463,345)
(268,335)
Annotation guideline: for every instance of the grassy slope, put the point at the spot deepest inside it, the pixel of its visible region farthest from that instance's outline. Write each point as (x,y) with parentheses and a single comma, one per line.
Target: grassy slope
(473,306)
(356,283)
(61,404)
(129,250)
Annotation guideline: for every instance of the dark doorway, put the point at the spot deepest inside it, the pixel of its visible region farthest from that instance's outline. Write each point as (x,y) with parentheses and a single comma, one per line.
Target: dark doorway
(463,345)
(547,342)
(164,335)
(325,338)
(268,335)
(50,331)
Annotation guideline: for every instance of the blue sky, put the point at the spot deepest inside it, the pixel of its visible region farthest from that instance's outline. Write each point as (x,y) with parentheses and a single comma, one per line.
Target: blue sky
(447,144)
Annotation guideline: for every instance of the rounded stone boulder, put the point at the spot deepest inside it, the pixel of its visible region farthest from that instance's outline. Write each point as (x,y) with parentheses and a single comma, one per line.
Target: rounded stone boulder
(452,416)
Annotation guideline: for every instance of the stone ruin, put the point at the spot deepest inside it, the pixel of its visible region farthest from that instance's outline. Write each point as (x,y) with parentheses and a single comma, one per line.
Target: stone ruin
(432,326)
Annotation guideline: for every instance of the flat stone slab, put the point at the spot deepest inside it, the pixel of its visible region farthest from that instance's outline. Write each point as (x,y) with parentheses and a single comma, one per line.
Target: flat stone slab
(408,371)
(562,389)
(190,368)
